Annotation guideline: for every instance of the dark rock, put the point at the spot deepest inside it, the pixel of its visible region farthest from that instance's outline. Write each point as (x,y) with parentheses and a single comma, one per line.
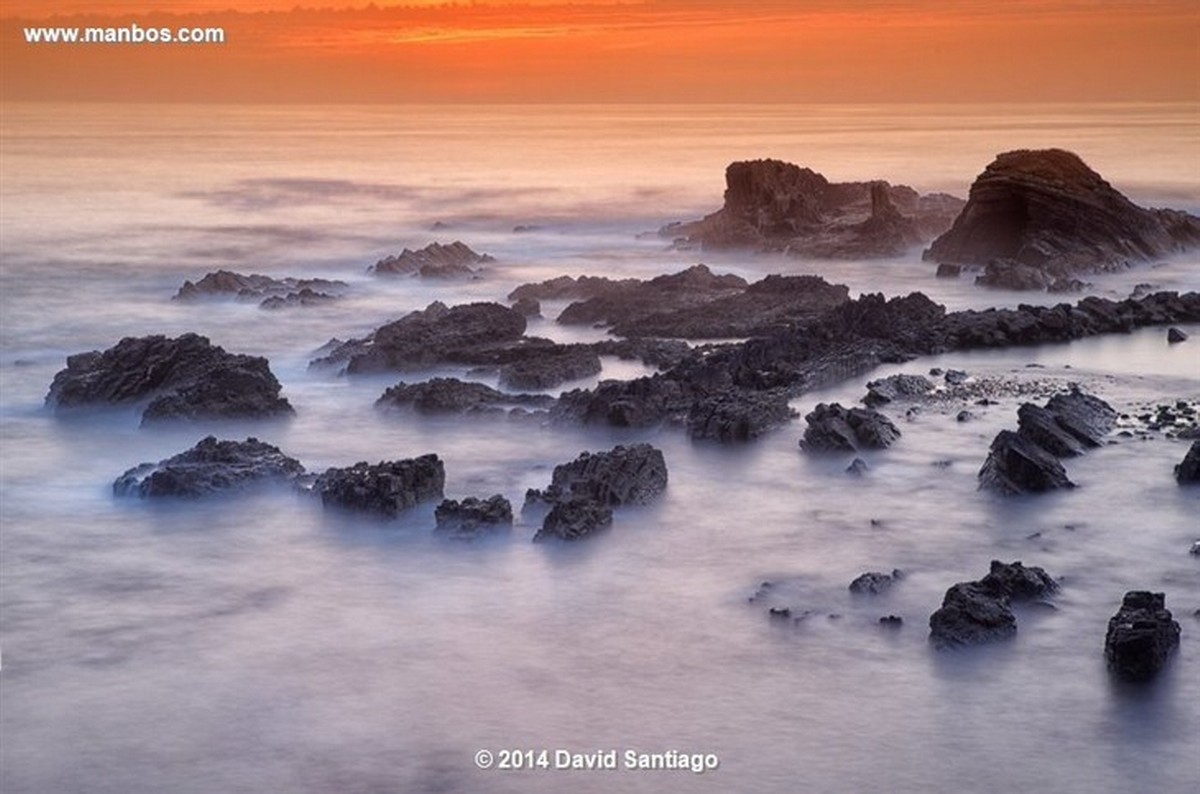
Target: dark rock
(732,416)
(210,467)
(694,286)
(895,387)
(640,402)
(305,297)
(626,475)
(956,377)
(1015,464)
(964,416)
(527,307)
(1044,215)
(272,293)
(1017,582)
(1141,636)
(1040,426)
(1188,471)
(450,395)
(947,270)
(779,613)
(473,517)
(834,428)
(857,468)
(891,621)
(387,487)
(575,519)
(1089,419)
(1175,335)
(182,378)
(1010,274)
(772,205)
(979,612)
(548,371)
(1195,549)
(570,288)
(433,261)
(875,582)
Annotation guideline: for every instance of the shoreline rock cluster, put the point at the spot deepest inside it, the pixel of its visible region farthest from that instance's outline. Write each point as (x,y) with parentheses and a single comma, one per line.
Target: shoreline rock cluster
(980,611)
(271,293)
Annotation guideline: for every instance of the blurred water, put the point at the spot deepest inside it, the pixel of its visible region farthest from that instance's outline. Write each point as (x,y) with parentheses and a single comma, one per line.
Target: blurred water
(261,643)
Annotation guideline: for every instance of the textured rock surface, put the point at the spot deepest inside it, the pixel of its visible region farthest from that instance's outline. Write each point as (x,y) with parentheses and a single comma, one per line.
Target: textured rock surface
(730,416)
(1015,464)
(450,395)
(773,205)
(875,582)
(186,377)
(977,612)
(896,387)
(387,487)
(473,517)
(575,519)
(435,260)
(1187,472)
(210,467)
(837,429)
(1045,215)
(272,293)
(1141,636)
(626,475)
(549,370)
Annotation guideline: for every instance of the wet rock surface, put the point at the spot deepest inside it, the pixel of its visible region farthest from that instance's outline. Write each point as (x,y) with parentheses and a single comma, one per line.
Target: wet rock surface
(473,517)
(450,395)
(1175,336)
(453,260)
(777,206)
(1141,636)
(978,612)
(896,387)
(625,475)
(1037,217)
(272,293)
(729,416)
(875,582)
(833,428)
(210,467)
(386,488)
(185,377)
(574,519)
(1187,472)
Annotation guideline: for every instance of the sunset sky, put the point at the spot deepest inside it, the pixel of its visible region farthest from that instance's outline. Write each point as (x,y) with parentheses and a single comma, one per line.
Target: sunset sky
(594,51)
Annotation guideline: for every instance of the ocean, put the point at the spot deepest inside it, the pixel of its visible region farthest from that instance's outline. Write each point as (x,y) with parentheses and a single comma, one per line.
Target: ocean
(259,642)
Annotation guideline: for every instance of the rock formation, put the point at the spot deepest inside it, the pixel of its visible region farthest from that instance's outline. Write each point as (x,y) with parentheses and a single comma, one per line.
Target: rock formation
(1187,472)
(1141,636)
(387,488)
(450,395)
(210,467)
(832,428)
(1039,217)
(473,517)
(875,582)
(435,260)
(980,611)
(182,378)
(272,293)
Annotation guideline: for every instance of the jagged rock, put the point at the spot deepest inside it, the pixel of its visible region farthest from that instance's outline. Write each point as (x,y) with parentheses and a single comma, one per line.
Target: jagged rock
(834,428)
(772,205)
(1015,464)
(946,270)
(210,467)
(433,261)
(570,288)
(387,487)
(1141,636)
(1044,215)
(734,416)
(875,582)
(694,286)
(955,377)
(1089,419)
(273,293)
(182,378)
(473,517)
(891,621)
(1040,426)
(1175,336)
(896,387)
(979,612)
(574,519)
(626,475)
(1188,471)
(548,371)
(527,307)
(640,402)
(450,395)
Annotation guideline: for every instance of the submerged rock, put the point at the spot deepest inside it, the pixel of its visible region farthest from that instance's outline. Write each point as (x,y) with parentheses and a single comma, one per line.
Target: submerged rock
(549,370)
(978,612)
(273,293)
(387,487)
(473,517)
(837,429)
(1175,336)
(450,395)
(1188,471)
(1034,217)
(1141,636)
(210,467)
(875,582)
(433,261)
(186,377)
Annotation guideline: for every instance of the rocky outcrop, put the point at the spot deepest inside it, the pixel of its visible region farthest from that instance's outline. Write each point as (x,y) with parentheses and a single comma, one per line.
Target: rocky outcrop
(875,582)
(832,428)
(450,395)
(473,517)
(435,260)
(387,488)
(626,475)
(574,519)
(1039,216)
(527,307)
(1141,636)
(896,387)
(778,206)
(208,468)
(1188,471)
(730,416)
(550,370)
(695,286)
(186,377)
(1175,336)
(570,288)
(1027,460)
(272,293)
(978,612)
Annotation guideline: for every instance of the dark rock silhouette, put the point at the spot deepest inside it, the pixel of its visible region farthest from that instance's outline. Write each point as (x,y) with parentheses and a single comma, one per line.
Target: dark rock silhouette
(473,517)
(574,519)
(386,488)
(773,205)
(570,288)
(732,416)
(896,387)
(185,377)
(435,260)
(625,475)
(272,293)
(1141,636)
(210,467)
(450,395)
(837,429)
(1037,217)
(1015,464)
(978,612)
(1187,472)
(1175,336)
(875,582)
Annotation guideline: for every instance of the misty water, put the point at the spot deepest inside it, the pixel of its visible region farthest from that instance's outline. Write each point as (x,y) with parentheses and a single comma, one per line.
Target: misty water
(263,643)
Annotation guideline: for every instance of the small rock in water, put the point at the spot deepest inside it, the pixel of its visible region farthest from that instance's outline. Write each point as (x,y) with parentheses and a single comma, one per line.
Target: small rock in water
(1188,471)
(1141,636)
(875,582)
(965,416)
(1175,335)
(857,468)
(473,517)
(1195,550)
(891,621)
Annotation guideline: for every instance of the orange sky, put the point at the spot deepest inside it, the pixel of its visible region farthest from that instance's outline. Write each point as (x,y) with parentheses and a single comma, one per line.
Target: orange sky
(659,51)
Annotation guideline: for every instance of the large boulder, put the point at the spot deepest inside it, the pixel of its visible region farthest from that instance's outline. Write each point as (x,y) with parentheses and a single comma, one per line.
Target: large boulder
(1045,215)
(1141,636)
(186,377)
(388,487)
(837,429)
(1016,464)
(625,475)
(473,517)
(450,395)
(1188,471)
(736,415)
(210,467)
(896,387)
(978,612)
(433,261)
